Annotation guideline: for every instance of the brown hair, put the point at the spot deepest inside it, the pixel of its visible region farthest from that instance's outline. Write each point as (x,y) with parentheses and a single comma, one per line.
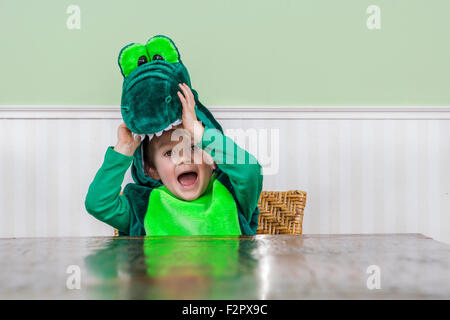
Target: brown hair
(148,153)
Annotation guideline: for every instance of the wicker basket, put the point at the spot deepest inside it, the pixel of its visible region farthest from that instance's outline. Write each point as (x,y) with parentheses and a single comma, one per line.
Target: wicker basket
(281,212)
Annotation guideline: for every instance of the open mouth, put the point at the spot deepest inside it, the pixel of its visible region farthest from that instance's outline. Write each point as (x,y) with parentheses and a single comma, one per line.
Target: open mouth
(188,179)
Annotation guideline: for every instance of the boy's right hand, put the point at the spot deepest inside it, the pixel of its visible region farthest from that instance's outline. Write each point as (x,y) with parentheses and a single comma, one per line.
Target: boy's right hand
(126,142)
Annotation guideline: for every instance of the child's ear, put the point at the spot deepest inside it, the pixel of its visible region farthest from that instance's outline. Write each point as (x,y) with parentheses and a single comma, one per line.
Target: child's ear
(152,173)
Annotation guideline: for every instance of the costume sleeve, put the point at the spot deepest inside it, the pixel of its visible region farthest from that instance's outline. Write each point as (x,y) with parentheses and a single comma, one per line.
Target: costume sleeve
(242,168)
(103,199)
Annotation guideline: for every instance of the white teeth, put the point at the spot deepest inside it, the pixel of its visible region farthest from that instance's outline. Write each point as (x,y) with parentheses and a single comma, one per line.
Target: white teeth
(159,133)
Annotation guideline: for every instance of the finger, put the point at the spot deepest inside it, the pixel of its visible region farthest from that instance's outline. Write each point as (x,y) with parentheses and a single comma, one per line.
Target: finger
(123,125)
(183,89)
(185,92)
(183,100)
(124,128)
(190,103)
(123,132)
(190,94)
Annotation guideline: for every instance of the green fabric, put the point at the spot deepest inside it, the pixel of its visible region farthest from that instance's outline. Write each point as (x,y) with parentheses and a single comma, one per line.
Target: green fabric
(103,199)
(213,213)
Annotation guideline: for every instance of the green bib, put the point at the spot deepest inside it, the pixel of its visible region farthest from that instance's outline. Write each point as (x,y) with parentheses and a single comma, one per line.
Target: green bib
(213,213)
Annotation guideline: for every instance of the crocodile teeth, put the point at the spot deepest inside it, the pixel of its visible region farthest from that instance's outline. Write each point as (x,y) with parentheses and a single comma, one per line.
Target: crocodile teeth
(159,133)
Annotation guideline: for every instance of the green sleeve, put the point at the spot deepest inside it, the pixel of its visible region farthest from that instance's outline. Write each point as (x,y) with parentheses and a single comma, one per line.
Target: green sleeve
(242,168)
(103,199)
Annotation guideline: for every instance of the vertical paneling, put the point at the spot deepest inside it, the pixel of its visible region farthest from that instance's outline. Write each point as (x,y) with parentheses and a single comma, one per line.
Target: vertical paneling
(19,151)
(422,175)
(30,178)
(41,188)
(390,189)
(433,179)
(322,129)
(7,159)
(356,175)
(51,170)
(344,194)
(444,190)
(411,159)
(368,195)
(333,176)
(362,176)
(313,173)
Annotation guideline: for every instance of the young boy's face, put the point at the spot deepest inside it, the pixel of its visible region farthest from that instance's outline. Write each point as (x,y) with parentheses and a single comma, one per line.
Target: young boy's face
(185,174)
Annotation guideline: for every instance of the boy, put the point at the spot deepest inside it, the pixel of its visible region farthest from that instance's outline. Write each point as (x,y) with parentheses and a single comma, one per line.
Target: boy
(192,201)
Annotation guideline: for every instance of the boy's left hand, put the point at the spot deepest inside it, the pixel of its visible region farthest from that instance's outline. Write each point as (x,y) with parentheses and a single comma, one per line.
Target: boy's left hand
(190,121)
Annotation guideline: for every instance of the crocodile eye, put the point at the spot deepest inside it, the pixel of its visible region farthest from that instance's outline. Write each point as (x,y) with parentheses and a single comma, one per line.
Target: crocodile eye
(142,60)
(157,57)
(162,48)
(131,57)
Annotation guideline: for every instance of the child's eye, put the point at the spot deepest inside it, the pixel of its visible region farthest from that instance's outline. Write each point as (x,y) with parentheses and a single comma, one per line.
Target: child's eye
(168,153)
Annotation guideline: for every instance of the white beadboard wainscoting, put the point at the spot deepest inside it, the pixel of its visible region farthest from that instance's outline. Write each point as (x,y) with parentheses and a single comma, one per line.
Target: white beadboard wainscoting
(365,169)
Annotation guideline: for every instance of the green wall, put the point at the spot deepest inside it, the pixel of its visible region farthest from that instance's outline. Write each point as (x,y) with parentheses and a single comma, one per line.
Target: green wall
(238,52)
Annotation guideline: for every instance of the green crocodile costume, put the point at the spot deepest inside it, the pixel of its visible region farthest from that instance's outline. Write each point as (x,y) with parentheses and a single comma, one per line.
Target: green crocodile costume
(149,106)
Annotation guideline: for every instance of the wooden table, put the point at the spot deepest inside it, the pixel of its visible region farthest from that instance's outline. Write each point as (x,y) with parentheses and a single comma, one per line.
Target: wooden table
(411,266)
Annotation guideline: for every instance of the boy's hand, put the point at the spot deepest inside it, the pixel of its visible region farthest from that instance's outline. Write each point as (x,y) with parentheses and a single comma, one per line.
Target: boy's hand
(126,143)
(190,122)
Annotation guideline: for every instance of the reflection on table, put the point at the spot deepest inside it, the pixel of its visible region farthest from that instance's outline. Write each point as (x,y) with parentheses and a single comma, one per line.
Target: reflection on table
(260,267)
